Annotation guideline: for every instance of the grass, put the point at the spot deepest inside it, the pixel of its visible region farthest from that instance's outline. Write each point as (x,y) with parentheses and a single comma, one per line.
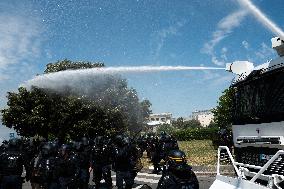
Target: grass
(198,152)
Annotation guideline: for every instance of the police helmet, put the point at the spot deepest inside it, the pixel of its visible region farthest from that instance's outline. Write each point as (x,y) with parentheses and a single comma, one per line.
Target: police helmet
(46,149)
(78,145)
(13,143)
(176,157)
(65,149)
(121,140)
(99,140)
(85,141)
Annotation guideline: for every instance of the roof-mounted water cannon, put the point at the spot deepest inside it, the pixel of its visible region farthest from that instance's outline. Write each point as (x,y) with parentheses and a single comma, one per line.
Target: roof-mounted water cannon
(240,67)
(278,45)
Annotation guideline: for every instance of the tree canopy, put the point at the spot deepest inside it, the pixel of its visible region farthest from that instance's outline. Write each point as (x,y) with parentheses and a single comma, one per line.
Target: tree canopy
(180,123)
(70,65)
(70,112)
(223,111)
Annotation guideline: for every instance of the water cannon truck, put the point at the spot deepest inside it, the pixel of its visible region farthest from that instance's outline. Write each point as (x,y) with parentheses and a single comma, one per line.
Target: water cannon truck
(258,125)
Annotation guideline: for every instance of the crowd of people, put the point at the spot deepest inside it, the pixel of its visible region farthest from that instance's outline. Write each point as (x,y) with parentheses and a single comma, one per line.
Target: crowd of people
(57,165)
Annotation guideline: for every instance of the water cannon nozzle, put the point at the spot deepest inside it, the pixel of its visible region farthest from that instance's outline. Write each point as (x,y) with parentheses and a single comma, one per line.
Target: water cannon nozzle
(240,67)
(278,45)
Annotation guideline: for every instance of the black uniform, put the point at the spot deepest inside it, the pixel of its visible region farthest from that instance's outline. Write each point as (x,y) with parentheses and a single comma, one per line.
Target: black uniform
(67,168)
(177,174)
(101,161)
(156,152)
(125,160)
(45,168)
(167,144)
(84,159)
(11,166)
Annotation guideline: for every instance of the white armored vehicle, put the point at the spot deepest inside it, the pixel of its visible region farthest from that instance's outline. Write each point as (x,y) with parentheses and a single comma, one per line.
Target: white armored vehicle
(258,125)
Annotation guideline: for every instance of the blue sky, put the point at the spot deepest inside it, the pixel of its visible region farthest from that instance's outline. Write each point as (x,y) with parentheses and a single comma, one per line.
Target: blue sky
(134,33)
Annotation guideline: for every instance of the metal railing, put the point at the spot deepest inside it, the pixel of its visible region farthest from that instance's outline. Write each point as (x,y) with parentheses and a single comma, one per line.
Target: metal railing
(238,170)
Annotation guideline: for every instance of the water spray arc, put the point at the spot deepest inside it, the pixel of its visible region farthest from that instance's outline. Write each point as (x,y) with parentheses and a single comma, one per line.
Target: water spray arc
(262,18)
(65,77)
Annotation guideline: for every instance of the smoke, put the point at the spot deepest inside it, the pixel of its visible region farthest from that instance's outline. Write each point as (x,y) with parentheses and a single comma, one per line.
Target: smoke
(262,18)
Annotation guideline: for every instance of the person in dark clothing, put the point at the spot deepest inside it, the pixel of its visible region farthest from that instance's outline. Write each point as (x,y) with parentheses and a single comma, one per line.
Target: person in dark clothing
(125,156)
(67,168)
(167,143)
(177,174)
(11,166)
(45,168)
(156,156)
(84,156)
(101,161)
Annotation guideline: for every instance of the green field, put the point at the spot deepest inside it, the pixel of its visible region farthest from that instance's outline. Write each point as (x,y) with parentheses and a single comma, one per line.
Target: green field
(198,152)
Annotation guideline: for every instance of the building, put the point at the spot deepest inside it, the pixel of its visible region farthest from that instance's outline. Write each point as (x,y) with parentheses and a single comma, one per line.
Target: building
(6,133)
(163,118)
(205,117)
(155,120)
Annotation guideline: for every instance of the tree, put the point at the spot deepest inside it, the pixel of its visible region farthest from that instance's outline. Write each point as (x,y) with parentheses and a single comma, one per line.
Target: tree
(178,123)
(70,65)
(109,108)
(42,112)
(191,124)
(145,108)
(223,112)
(181,124)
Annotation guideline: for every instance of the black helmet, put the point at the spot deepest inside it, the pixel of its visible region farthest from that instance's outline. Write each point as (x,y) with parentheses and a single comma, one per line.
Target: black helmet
(85,141)
(121,140)
(46,149)
(99,141)
(176,157)
(65,149)
(163,133)
(78,145)
(13,143)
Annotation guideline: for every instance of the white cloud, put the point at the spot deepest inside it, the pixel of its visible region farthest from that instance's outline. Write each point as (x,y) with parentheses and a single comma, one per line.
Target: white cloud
(265,52)
(163,34)
(224,28)
(19,39)
(245,44)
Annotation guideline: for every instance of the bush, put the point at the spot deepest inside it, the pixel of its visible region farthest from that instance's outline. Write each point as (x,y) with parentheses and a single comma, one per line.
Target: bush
(196,134)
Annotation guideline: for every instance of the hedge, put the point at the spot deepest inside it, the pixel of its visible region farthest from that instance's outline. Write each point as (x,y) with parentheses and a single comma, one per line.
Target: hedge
(196,134)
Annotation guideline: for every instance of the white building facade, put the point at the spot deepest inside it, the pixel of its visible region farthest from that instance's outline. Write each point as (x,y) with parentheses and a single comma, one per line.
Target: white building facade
(155,120)
(163,118)
(205,117)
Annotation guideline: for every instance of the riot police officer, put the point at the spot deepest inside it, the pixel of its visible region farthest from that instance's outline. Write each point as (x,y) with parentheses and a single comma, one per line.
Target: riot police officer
(45,168)
(101,161)
(84,159)
(156,152)
(125,156)
(11,166)
(67,168)
(167,143)
(177,174)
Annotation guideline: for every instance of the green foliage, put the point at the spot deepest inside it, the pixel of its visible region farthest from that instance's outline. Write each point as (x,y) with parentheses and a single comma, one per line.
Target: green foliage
(41,112)
(145,108)
(223,112)
(69,65)
(166,128)
(69,113)
(191,124)
(181,124)
(196,134)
